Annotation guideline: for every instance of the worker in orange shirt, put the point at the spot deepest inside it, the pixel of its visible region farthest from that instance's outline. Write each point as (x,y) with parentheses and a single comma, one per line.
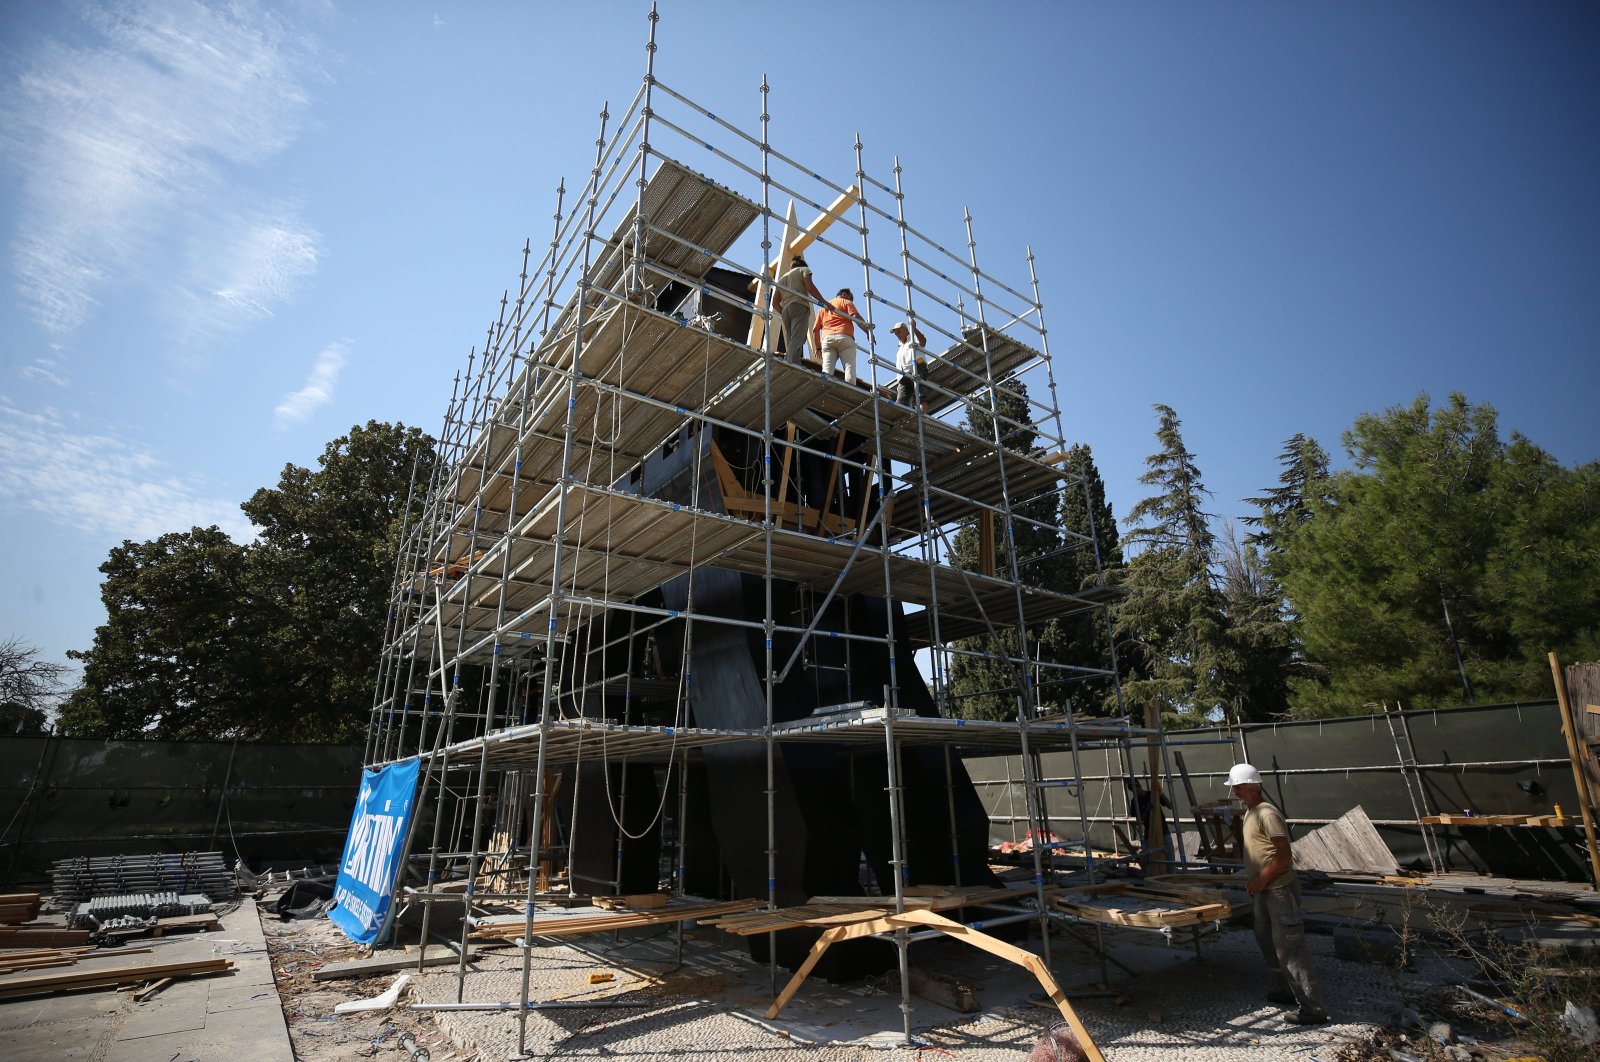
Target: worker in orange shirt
(834,334)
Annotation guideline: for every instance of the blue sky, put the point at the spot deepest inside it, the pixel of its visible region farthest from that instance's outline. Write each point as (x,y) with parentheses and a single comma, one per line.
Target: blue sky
(230,231)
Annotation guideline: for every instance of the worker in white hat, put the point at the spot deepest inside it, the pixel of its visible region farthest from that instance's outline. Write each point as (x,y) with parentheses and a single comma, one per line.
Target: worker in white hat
(1280,922)
(910,363)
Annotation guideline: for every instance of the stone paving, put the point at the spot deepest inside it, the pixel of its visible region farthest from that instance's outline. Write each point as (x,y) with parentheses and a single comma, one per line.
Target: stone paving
(227,1018)
(1210,1009)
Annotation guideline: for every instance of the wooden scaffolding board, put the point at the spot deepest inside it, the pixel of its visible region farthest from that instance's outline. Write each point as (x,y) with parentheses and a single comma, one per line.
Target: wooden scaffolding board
(1144,905)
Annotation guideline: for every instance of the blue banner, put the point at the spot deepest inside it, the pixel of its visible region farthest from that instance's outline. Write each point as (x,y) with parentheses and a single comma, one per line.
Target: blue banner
(377,834)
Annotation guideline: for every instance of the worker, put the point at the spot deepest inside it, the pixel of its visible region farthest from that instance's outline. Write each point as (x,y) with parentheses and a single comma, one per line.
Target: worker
(911,365)
(1280,923)
(834,334)
(795,300)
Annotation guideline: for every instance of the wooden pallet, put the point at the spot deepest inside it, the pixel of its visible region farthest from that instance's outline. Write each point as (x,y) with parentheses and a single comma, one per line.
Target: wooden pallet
(1144,906)
(201,923)
(580,925)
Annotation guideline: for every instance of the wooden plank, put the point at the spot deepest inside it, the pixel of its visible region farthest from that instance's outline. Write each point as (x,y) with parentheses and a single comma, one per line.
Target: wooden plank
(103,977)
(1146,905)
(605,923)
(636,901)
(1350,842)
(29,937)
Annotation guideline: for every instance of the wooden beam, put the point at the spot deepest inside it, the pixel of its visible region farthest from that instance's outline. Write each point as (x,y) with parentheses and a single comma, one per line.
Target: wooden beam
(1580,778)
(986,542)
(833,477)
(791,431)
(809,234)
(732,489)
(759,338)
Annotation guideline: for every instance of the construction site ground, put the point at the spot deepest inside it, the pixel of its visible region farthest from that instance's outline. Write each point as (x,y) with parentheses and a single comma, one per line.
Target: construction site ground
(1163,1000)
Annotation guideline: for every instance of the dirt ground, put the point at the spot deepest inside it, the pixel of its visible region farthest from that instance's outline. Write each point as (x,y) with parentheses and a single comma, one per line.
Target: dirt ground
(298,948)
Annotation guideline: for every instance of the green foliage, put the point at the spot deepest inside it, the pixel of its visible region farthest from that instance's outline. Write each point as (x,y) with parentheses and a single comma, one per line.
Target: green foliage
(1091,555)
(1288,507)
(1438,516)
(1170,625)
(278,639)
(986,686)
(1260,646)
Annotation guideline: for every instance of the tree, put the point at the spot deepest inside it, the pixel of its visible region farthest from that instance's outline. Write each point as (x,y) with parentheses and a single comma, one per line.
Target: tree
(184,653)
(29,688)
(1444,565)
(1091,556)
(986,686)
(1169,625)
(206,638)
(327,546)
(1260,647)
(1288,506)
(1262,639)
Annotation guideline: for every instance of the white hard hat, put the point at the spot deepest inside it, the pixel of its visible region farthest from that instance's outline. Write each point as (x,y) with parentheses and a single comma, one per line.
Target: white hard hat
(1243,774)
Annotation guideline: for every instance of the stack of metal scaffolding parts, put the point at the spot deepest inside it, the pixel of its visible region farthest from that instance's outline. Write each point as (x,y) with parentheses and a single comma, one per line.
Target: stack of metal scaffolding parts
(660,610)
(77,880)
(135,909)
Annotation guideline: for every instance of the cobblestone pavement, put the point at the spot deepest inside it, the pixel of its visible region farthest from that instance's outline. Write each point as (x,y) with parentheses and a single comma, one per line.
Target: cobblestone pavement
(1211,1008)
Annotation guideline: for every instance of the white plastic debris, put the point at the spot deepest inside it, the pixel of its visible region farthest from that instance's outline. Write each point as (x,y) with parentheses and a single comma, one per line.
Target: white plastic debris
(383,1002)
(1581,1023)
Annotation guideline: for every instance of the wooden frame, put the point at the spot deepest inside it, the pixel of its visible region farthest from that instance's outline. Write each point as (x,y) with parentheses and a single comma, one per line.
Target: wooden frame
(929,920)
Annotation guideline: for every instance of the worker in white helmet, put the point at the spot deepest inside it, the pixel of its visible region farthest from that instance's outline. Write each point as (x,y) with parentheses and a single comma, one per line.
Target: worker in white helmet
(1280,922)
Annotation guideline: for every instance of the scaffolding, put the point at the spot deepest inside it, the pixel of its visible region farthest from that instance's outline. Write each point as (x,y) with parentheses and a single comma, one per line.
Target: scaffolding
(629,442)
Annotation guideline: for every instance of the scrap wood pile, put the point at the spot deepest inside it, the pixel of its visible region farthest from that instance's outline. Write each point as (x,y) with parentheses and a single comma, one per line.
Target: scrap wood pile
(1144,905)
(567,925)
(33,955)
(843,910)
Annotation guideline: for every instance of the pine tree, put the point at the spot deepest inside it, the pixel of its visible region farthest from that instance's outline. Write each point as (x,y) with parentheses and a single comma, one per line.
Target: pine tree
(986,686)
(1091,557)
(1263,649)
(1170,624)
(1288,506)
(1444,565)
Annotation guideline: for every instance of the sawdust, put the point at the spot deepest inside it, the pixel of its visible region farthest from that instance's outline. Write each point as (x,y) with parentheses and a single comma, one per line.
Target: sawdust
(297,949)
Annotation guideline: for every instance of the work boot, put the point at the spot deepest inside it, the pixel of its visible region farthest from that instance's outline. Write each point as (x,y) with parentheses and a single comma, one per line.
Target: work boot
(1306,1017)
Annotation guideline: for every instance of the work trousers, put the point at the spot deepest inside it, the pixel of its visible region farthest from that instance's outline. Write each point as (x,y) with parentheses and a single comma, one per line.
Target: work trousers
(839,349)
(796,323)
(1281,933)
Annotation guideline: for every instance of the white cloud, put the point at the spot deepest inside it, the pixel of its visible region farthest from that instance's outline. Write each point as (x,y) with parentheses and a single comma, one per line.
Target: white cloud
(44,370)
(95,482)
(318,388)
(242,266)
(132,148)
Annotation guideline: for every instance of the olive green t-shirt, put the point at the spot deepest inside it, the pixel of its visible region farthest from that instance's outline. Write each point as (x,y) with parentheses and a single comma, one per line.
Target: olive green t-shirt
(1261,824)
